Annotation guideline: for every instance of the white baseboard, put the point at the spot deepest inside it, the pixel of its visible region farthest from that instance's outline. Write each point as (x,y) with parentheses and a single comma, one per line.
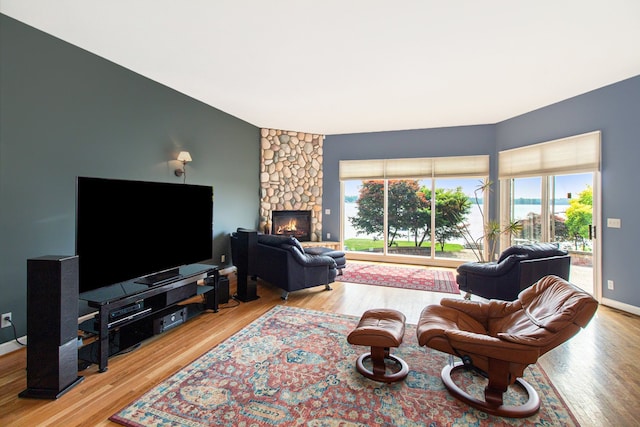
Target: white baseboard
(621,306)
(12,345)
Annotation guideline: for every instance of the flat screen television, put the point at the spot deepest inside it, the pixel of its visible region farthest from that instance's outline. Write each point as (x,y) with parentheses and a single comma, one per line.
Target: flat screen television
(126,230)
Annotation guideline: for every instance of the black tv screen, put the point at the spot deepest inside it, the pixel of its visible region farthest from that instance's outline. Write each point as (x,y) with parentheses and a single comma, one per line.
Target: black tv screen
(129,229)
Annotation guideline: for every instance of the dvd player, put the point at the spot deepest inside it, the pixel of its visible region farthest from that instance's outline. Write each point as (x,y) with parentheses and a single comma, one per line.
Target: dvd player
(126,310)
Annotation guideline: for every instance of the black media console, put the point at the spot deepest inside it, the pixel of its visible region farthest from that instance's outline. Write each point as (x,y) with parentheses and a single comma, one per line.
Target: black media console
(131,311)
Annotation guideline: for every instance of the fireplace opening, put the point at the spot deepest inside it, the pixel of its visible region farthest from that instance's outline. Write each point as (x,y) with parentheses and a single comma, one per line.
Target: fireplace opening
(292,223)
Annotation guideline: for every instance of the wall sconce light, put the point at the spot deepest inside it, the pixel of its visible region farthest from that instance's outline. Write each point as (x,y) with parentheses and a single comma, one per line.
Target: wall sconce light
(183,157)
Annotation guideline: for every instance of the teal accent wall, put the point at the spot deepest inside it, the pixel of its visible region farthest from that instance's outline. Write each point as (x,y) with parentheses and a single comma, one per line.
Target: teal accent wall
(65,112)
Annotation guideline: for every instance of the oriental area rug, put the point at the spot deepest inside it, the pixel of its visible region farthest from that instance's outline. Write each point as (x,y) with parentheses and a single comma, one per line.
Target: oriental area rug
(294,367)
(424,279)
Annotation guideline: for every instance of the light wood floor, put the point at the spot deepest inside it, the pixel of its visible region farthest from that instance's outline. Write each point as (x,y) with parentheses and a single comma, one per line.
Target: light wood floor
(595,372)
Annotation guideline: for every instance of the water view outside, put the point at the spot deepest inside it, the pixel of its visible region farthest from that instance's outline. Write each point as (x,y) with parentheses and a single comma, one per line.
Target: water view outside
(474,220)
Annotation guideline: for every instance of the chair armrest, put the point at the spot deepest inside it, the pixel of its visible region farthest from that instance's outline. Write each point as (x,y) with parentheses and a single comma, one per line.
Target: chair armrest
(485,345)
(490,269)
(309,260)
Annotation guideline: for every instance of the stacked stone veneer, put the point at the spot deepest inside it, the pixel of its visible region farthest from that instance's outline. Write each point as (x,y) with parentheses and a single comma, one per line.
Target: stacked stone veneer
(291,176)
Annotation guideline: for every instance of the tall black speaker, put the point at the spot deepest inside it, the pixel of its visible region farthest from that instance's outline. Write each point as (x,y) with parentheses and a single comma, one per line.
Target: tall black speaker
(246,256)
(247,253)
(52,326)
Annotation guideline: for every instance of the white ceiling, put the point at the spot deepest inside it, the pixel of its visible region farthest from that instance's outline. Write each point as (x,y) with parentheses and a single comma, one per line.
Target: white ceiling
(346,66)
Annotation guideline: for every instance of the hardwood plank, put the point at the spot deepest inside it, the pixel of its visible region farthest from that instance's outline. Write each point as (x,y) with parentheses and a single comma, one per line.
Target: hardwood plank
(594,372)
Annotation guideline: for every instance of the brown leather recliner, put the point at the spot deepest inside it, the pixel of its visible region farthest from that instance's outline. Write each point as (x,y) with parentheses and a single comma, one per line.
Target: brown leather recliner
(502,338)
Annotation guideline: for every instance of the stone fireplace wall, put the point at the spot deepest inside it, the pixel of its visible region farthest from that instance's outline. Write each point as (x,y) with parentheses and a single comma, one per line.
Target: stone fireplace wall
(291,176)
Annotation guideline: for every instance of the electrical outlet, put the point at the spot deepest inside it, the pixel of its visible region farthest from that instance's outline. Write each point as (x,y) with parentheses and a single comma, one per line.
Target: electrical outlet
(223,258)
(5,323)
(328,235)
(614,222)
(610,284)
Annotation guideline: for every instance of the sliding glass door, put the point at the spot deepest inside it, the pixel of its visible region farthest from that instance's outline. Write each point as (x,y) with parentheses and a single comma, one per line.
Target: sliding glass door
(526,207)
(551,188)
(558,209)
(571,222)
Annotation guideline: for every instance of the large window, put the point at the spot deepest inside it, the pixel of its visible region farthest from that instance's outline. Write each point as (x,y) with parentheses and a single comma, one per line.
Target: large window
(549,187)
(415,209)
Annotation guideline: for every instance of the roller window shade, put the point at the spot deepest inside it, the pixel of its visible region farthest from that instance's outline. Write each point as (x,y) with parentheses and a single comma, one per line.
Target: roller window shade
(471,166)
(361,169)
(423,167)
(408,168)
(580,153)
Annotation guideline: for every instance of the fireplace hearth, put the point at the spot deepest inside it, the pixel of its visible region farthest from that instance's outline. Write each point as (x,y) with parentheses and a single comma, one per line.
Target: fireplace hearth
(292,223)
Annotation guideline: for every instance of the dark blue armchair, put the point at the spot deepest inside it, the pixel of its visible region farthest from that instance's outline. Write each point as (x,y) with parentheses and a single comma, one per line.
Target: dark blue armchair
(517,268)
(281,261)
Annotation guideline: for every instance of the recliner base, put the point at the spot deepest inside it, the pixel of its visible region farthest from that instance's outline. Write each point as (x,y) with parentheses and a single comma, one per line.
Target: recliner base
(520,411)
(378,355)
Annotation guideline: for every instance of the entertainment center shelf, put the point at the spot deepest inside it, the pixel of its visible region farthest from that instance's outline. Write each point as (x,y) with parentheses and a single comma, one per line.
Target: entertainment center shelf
(129,312)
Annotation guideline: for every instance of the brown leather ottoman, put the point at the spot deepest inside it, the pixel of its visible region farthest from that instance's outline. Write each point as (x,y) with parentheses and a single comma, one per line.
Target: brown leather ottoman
(380,329)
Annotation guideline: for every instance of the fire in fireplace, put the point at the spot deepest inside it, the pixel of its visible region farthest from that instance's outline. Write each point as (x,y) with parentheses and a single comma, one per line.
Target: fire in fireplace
(292,223)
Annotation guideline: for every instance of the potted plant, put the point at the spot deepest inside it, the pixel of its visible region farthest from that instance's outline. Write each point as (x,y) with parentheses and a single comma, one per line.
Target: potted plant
(484,247)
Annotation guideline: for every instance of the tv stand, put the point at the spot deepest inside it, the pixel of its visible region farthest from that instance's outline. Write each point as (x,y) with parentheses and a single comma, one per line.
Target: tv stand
(130,312)
(157,278)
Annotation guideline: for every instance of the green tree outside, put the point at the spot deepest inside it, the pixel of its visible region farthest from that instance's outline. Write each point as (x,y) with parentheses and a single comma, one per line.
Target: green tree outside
(579,217)
(410,210)
(370,208)
(452,208)
(405,208)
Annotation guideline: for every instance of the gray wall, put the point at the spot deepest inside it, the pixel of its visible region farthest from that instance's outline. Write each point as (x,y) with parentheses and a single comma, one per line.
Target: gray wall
(615,110)
(64,113)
